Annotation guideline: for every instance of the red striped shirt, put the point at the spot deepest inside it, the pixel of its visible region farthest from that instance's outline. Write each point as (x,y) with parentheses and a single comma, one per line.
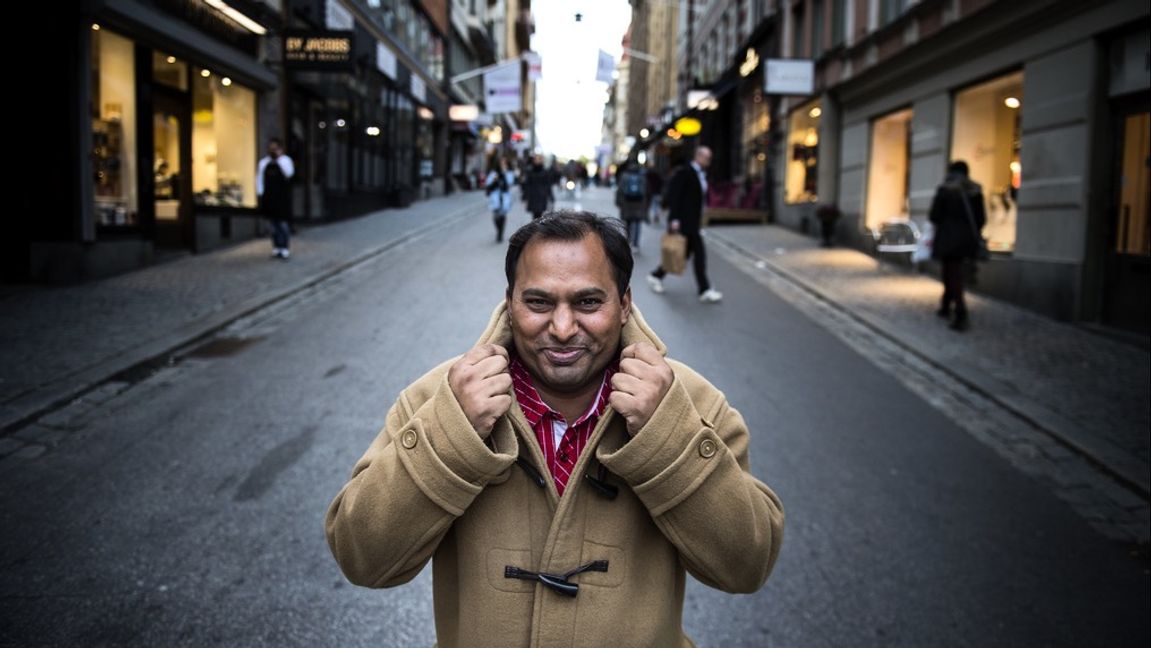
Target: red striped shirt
(561,443)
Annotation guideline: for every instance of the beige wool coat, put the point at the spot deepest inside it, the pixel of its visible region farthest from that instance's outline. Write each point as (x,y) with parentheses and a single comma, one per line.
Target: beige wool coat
(430,488)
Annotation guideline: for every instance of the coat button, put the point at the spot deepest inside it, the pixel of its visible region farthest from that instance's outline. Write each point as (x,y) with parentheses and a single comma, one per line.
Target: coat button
(409,439)
(707,448)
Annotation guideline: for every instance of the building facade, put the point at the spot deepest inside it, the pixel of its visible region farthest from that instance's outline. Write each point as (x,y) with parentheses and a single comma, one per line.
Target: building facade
(1047,101)
(165,106)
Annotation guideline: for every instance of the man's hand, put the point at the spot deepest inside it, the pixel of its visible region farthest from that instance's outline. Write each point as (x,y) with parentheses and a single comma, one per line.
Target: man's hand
(640,384)
(481,383)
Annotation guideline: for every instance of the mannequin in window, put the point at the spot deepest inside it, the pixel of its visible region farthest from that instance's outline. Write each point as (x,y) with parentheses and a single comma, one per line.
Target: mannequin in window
(165,181)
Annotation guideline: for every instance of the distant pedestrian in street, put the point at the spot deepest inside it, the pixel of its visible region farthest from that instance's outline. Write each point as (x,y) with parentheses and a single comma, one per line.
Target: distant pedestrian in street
(684,199)
(537,187)
(654,190)
(498,186)
(958,215)
(550,518)
(631,198)
(273,175)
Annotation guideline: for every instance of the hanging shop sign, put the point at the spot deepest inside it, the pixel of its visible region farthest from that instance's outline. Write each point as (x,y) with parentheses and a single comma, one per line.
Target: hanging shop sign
(323,51)
(688,126)
(789,76)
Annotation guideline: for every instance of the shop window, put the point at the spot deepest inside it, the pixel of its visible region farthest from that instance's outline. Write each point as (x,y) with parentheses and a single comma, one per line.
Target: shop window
(986,136)
(756,122)
(224,149)
(887,169)
(803,154)
(169,71)
(1134,235)
(114,170)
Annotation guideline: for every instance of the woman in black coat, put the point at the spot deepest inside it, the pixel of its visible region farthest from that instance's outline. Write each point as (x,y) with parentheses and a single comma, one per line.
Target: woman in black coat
(958,216)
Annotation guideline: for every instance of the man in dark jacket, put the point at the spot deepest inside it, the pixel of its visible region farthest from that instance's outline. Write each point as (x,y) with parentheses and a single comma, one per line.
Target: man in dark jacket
(958,216)
(684,199)
(273,174)
(537,187)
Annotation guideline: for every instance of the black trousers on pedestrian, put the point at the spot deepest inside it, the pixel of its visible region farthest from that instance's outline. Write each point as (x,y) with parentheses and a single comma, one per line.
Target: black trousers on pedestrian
(954,269)
(698,255)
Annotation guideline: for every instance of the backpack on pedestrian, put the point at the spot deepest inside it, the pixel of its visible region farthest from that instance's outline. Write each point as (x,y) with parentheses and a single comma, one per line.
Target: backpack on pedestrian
(632,185)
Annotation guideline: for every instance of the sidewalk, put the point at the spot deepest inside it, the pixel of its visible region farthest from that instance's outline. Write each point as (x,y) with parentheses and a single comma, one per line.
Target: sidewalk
(58,343)
(1088,391)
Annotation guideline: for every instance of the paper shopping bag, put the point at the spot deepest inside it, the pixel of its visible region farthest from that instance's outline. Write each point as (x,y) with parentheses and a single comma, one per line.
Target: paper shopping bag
(673,253)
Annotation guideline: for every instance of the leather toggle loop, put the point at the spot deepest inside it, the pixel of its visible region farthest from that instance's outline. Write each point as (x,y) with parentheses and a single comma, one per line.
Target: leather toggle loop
(559,584)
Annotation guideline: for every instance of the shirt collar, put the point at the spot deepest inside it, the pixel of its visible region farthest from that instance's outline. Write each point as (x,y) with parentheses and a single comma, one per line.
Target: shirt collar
(534,407)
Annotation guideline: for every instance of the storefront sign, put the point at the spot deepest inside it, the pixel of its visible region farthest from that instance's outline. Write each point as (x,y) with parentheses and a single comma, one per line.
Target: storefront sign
(535,65)
(326,51)
(790,76)
(464,112)
(749,63)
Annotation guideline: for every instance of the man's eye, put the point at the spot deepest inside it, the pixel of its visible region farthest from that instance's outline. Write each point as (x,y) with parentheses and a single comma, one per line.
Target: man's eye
(590,303)
(536,303)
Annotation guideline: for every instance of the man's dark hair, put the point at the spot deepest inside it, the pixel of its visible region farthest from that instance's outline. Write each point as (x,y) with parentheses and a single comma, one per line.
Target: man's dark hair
(277,141)
(958,166)
(573,226)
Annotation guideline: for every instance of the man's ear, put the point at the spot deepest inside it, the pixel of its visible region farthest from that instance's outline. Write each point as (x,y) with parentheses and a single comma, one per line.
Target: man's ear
(625,306)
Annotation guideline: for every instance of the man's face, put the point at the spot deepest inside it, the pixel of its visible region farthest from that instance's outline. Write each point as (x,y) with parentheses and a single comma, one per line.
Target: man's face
(566,314)
(703,157)
(274,149)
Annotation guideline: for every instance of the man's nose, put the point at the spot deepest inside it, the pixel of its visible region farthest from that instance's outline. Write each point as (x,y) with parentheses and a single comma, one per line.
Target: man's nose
(563,323)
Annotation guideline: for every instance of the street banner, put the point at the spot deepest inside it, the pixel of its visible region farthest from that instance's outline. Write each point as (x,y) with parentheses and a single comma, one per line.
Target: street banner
(605,67)
(502,89)
(535,65)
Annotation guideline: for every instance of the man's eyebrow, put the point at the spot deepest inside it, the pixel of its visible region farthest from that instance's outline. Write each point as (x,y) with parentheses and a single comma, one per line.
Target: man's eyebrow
(577,295)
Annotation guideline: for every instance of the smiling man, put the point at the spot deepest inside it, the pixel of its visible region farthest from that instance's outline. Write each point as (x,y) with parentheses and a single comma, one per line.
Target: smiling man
(563,474)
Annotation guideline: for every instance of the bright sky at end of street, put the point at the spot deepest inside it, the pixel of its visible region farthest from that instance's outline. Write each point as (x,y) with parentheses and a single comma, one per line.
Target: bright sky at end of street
(569,101)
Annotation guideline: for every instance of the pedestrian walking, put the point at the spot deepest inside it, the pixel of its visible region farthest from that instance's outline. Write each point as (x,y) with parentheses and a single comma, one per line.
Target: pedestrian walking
(537,187)
(533,499)
(684,199)
(654,190)
(274,172)
(631,199)
(958,216)
(499,185)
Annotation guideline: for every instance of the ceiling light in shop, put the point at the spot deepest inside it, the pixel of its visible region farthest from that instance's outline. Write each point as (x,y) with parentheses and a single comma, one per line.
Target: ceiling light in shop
(425,113)
(644,132)
(373,131)
(171,59)
(243,20)
(95,27)
(1011,102)
(815,112)
(205,73)
(322,125)
(226,82)
(340,123)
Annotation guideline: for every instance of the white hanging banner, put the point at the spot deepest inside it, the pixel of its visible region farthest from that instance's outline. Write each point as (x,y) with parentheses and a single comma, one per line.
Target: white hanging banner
(337,17)
(502,89)
(605,67)
(535,65)
(385,61)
